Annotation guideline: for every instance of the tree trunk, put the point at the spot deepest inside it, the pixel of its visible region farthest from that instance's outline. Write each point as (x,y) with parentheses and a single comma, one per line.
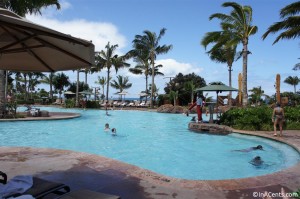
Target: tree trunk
(107,86)
(152,88)
(86,73)
(77,90)
(51,85)
(295,89)
(244,81)
(230,84)
(2,87)
(146,87)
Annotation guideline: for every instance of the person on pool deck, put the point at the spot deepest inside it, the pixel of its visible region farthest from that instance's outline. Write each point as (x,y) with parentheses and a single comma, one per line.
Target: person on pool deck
(106,128)
(257,161)
(113,131)
(199,103)
(258,147)
(278,118)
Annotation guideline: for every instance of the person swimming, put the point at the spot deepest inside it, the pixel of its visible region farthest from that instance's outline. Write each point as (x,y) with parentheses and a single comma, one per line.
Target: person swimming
(258,147)
(113,131)
(106,127)
(257,161)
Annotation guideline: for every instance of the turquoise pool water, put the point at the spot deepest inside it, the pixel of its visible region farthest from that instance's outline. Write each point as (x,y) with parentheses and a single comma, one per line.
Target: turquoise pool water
(158,142)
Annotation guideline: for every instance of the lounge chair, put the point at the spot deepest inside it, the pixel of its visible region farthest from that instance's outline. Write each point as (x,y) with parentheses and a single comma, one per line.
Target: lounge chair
(40,187)
(84,193)
(130,104)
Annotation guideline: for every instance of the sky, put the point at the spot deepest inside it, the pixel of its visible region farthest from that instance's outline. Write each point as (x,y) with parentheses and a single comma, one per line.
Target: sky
(186,21)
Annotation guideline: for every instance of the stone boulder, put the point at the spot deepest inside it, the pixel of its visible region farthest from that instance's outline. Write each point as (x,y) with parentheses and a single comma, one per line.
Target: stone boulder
(169,108)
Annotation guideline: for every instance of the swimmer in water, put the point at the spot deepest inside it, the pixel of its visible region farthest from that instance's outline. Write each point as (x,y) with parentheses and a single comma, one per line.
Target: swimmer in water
(114,131)
(106,128)
(257,161)
(258,147)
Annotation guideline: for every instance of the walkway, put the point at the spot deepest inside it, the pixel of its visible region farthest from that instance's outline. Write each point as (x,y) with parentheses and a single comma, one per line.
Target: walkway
(81,170)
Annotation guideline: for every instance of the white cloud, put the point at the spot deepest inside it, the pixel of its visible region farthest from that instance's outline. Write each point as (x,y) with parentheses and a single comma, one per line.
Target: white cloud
(172,67)
(98,32)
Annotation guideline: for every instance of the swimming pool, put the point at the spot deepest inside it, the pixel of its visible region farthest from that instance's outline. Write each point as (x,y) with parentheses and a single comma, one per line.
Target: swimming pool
(155,141)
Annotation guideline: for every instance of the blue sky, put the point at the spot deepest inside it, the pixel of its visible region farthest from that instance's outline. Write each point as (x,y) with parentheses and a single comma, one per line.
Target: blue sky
(186,21)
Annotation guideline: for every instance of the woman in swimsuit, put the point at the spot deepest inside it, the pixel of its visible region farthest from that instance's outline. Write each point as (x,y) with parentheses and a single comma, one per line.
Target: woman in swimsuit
(278,118)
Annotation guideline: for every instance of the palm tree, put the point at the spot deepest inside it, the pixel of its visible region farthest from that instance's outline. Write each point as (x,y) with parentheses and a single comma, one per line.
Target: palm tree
(102,81)
(190,86)
(173,95)
(49,80)
(60,81)
(107,59)
(149,42)
(21,8)
(121,83)
(238,27)
(294,81)
(257,92)
(289,25)
(155,91)
(221,53)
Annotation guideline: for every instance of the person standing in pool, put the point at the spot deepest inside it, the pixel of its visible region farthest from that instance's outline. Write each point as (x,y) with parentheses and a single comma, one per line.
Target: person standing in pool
(278,118)
(106,128)
(258,147)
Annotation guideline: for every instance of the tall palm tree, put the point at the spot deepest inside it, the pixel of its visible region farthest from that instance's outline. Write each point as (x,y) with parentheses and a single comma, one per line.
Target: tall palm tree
(149,42)
(238,27)
(21,8)
(289,25)
(121,83)
(294,81)
(222,53)
(107,59)
(60,81)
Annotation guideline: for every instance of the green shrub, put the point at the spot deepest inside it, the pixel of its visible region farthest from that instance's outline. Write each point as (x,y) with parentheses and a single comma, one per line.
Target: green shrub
(92,104)
(259,118)
(70,103)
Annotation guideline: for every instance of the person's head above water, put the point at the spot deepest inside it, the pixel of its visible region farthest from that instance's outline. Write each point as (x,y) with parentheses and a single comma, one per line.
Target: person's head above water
(114,130)
(257,158)
(106,125)
(259,147)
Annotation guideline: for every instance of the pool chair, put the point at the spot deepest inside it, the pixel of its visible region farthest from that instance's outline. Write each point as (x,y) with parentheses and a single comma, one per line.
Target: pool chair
(40,188)
(84,193)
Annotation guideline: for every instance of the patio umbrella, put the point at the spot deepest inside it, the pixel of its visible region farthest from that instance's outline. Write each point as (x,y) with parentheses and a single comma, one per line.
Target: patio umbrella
(86,93)
(69,93)
(26,46)
(122,93)
(218,88)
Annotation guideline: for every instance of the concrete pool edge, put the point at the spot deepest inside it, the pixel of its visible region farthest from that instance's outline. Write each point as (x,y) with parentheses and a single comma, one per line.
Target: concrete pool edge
(22,160)
(52,116)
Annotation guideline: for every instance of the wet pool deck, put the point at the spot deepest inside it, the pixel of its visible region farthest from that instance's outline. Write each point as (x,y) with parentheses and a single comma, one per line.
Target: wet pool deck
(82,170)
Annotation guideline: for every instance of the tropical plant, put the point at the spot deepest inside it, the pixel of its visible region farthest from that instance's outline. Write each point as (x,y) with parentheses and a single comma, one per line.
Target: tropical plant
(155,91)
(60,81)
(237,27)
(190,87)
(121,83)
(178,84)
(294,81)
(102,81)
(173,95)
(149,42)
(107,59)
(221,53)
(21,8)
(256,95)
(49,80)
(289,25)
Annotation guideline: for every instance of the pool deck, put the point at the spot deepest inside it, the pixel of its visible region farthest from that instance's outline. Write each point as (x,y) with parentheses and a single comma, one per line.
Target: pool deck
(97,173)
(52,116)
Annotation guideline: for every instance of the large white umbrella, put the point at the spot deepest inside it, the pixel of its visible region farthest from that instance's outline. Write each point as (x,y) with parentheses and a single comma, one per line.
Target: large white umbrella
(26,46)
